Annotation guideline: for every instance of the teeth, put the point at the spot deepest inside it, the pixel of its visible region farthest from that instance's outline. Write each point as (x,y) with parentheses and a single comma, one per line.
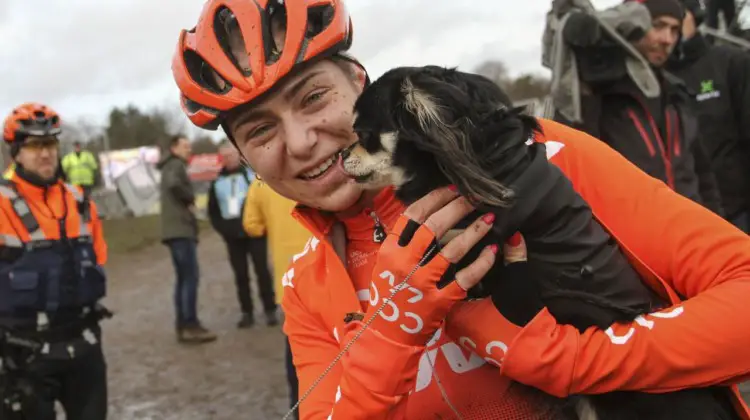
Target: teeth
(321,168)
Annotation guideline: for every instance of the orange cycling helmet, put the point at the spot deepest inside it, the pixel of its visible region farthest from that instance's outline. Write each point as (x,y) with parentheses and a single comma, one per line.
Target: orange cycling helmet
(230,57)
(31,119)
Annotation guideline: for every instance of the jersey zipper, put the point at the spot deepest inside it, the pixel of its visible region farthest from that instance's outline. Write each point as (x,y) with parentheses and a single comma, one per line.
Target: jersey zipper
(60,221)
(378,233)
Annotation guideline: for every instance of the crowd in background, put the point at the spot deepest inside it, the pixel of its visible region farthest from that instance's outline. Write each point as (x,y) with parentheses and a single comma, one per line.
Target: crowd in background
(254,222)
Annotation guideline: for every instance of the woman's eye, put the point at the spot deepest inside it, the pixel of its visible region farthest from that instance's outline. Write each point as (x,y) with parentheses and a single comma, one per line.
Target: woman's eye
(258,131)
(257,135)
(314,97)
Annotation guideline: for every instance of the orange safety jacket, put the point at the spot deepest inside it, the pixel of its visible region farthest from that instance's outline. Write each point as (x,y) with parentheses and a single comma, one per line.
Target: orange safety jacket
(52,248)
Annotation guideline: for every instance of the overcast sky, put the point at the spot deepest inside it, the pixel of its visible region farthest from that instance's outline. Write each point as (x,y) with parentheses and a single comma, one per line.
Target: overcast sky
(83,57)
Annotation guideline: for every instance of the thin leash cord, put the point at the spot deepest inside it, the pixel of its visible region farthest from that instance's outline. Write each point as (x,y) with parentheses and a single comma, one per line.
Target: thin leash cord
(442,389)
(338,357)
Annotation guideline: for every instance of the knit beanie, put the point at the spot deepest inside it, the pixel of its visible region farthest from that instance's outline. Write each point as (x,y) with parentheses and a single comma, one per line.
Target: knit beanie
(697,8)
(658,8)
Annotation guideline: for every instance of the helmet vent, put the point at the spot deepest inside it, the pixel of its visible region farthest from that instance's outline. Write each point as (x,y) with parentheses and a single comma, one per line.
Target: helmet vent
(229,36)
(318,19)
(204,75)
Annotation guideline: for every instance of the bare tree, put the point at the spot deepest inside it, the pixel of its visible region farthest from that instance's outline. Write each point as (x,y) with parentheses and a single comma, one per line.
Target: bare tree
(176,120)
(525,86)
(70,133)
(496,71)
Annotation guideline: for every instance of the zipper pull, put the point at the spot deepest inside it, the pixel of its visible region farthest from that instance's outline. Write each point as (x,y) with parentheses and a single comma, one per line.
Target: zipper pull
(378,234)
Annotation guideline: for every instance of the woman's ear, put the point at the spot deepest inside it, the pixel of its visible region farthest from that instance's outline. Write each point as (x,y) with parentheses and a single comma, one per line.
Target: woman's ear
(360,75)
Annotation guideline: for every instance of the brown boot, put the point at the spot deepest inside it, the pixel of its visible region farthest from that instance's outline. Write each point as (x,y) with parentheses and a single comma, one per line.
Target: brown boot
(195,335)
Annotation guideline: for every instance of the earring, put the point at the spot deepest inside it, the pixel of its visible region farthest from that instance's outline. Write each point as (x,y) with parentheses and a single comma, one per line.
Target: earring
(247,165)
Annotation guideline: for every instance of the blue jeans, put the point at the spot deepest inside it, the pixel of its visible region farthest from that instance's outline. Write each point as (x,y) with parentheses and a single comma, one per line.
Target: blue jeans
(742,221)
(185,260)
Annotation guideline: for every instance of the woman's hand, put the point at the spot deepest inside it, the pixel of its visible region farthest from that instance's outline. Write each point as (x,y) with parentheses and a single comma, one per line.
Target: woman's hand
(480,325)
(417,310)
(514,250)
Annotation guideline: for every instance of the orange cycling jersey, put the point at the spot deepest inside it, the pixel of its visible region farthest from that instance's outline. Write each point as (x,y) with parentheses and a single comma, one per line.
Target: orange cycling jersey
(681,250)
(50,205)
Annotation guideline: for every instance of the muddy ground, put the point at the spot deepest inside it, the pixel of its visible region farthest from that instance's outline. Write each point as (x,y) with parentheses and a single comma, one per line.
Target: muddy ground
(238,377)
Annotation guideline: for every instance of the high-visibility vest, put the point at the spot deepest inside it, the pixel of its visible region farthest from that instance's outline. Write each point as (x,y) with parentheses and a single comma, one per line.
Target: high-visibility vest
(47,274)
(80,168)
(8,174)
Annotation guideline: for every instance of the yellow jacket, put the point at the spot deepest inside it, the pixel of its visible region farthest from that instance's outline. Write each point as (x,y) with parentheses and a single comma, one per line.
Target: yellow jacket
(80,168)
(9,171)
(268,213)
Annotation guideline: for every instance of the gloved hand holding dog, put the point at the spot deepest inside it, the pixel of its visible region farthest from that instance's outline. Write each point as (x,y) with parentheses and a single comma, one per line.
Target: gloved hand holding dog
(491,336)
(410,250)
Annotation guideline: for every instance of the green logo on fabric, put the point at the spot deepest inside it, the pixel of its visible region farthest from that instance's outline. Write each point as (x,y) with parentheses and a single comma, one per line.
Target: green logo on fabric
(707,91)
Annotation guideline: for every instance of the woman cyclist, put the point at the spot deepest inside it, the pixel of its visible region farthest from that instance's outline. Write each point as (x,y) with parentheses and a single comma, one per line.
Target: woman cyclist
(274,75)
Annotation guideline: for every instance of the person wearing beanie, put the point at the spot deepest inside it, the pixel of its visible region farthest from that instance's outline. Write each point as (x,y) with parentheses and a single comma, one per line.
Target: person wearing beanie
(656,134)
(658,43)
(719,78)
(658,8)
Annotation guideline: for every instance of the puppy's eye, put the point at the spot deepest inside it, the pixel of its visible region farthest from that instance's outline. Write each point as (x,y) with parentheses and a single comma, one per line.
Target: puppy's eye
(361,135)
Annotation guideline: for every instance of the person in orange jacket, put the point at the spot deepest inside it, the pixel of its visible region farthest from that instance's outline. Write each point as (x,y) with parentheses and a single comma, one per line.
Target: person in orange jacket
(52,253)
(275,76)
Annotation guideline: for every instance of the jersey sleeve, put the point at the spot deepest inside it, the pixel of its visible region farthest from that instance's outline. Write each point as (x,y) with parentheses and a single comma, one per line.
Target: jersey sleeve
(699,341)
(371,381)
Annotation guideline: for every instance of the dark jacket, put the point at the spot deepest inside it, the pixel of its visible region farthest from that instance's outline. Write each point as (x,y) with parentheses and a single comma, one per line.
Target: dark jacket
(719,78)
(658,135)
(226,199)
(177,197)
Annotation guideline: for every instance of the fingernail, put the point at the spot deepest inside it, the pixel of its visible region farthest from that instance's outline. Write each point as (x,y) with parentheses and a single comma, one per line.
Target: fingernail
(489,218)
(453,188)
(514,240)
(493,248)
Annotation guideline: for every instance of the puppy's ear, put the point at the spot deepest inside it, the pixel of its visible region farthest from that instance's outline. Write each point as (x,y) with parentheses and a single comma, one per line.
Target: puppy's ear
(421,104)
(449,139)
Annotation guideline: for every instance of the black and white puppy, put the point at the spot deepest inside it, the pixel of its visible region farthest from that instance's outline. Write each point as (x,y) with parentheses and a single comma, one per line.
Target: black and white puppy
(422,128)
